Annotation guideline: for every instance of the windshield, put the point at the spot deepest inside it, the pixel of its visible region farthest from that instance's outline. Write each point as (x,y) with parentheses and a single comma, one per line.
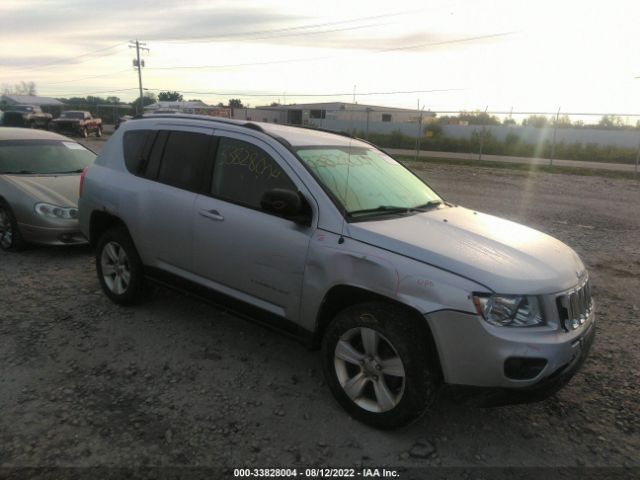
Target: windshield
(43,157)
(78,115)
(366,181)
(22,108)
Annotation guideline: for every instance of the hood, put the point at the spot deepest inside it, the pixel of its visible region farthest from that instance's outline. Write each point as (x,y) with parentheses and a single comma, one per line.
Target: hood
(502,255)
(66,120)
(60,190)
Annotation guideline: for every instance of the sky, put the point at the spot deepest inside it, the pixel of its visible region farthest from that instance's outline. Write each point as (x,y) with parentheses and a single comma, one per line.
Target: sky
(502,55)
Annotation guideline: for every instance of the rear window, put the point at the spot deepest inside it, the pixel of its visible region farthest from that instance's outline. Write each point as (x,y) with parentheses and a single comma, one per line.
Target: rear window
(183,161)
(133,145)
(25,157)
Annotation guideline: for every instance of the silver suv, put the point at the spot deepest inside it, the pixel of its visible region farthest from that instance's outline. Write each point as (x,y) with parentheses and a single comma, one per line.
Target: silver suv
(328,238)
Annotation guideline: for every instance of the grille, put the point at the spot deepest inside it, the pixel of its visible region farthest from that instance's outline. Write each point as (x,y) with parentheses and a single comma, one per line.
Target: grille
(575,307)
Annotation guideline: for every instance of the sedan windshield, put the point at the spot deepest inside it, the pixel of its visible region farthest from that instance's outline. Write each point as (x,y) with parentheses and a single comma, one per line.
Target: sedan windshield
(43,157)
(366,182)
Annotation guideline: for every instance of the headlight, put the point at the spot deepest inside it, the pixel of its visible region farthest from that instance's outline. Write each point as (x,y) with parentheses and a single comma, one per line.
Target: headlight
(509,310)
(54,211)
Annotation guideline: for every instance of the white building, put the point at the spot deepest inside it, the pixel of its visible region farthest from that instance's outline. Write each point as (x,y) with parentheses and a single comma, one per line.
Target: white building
(349,117)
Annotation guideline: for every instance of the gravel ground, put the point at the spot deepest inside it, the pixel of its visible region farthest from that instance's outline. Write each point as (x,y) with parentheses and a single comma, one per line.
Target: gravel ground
(176,382)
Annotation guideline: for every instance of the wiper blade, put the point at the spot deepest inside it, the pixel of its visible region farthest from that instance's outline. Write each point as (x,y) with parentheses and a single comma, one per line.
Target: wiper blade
(71,171)
(380,209)
(431,204)
(19,172)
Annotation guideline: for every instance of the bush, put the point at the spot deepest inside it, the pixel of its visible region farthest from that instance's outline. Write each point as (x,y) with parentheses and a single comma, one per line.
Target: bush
(512,145)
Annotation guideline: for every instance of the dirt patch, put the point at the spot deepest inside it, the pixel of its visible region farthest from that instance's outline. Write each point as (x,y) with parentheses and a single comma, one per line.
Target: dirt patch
(177,382)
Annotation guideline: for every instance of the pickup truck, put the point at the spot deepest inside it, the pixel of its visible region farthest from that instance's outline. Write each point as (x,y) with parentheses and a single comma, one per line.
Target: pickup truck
(26,116)
(78,122)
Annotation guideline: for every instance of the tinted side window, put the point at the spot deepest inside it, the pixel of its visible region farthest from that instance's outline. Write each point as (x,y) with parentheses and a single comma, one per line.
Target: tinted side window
(243,172)
(153,163)
(133,146)
(183,160)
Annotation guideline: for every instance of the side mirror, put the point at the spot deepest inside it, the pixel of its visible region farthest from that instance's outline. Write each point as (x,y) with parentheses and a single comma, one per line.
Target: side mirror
(286,203)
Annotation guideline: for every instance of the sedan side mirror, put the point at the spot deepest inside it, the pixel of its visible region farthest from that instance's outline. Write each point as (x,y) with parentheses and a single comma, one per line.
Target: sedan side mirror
(286,203)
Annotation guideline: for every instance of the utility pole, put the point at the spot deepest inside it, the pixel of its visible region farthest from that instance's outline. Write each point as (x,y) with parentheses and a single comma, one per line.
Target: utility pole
(553,143)
(419,132)
(139,65)
(484,132)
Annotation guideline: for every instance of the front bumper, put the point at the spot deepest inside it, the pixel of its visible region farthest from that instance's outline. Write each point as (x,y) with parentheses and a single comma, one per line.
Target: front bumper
(68,127)
(69,235)
(474,353)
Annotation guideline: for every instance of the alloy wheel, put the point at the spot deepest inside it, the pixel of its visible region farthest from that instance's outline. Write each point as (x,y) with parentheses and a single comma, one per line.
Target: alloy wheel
(6,230)
(369,369)
(116,270)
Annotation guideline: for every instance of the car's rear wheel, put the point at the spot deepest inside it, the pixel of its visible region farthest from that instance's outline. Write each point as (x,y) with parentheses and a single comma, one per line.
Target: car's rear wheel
(10,236)
(99,132)
(84,133)
(377,364)
(119,267)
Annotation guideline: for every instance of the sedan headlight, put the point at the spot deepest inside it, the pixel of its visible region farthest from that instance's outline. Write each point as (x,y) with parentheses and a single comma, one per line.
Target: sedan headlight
(54,211)
(509,310)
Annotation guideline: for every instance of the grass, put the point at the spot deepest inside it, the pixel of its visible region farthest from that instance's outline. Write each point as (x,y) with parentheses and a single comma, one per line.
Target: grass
(527,168)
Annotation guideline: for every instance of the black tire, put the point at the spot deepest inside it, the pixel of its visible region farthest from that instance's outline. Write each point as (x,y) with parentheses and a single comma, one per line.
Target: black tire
(84,133)
(99,131)
(10,237)
(409,340)
(124,293)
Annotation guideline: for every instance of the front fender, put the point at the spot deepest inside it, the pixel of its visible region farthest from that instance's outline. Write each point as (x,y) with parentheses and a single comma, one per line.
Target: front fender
(423,287)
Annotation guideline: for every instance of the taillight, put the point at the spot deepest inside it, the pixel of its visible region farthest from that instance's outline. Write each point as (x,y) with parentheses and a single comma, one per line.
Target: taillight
(82,175)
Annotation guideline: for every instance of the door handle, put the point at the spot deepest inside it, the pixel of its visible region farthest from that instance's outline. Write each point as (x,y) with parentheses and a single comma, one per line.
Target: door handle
(212,214)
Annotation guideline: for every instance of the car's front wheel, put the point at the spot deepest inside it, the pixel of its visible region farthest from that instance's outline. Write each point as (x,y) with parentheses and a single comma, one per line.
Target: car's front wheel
(119,267)
(377,363)
(99,131)
(10,236)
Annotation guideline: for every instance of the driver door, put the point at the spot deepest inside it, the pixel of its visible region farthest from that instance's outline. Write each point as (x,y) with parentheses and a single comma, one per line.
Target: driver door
(243,251)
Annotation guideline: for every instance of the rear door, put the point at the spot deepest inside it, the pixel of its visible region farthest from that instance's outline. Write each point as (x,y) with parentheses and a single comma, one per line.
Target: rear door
(176,170)
(240,249)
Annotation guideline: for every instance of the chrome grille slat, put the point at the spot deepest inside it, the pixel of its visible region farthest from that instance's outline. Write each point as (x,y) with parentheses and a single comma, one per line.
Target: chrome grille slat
(575,307)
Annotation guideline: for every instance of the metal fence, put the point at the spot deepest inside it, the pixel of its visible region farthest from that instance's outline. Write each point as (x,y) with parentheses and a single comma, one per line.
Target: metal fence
(599,137)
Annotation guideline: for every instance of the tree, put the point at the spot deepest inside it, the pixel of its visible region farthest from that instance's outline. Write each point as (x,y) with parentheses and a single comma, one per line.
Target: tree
(22,88)
(235,103)
(471,118)
(563,121)
(611,121)
(148,99)
(113,99)
(169,96)
(538,121)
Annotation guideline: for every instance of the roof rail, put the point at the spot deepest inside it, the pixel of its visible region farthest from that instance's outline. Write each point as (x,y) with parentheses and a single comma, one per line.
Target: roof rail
(326,130)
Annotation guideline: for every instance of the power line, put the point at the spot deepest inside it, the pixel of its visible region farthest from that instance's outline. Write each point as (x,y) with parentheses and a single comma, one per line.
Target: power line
(282,30)
(92,76)
(93,93)
(307,59)
(397,92)
(64,60)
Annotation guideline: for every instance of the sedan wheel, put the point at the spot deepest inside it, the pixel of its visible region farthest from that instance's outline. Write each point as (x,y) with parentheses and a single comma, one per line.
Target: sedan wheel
(10,236)
(369,369)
